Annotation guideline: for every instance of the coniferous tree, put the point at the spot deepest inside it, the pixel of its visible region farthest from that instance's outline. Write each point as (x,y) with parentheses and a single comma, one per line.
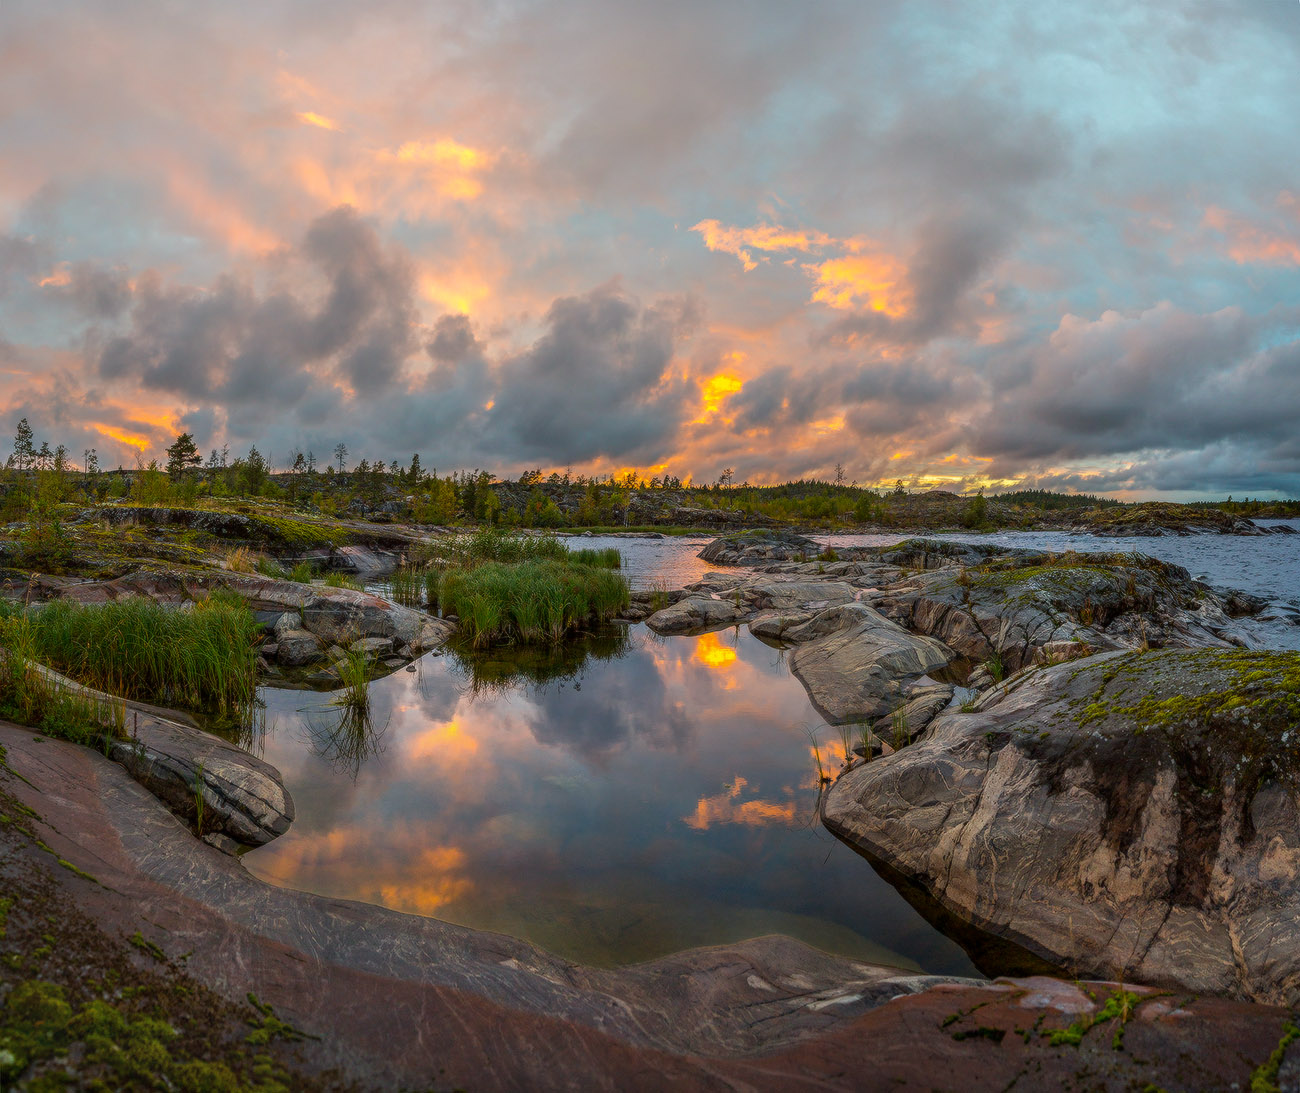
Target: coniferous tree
(24,449)
(181,456)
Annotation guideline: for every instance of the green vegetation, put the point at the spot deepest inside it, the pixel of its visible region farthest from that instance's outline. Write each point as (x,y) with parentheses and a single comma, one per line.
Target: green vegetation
(1264,1078)
(202,658)
(28,697)
(337,579)
(534,601)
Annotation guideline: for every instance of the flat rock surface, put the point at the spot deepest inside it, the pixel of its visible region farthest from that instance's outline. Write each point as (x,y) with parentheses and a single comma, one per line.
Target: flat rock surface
(398,1000)
(1131,815)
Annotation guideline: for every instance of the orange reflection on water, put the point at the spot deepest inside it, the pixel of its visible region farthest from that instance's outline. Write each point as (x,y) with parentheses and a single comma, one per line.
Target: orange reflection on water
(434,882)
(710,652)
(445,742)
(727,808)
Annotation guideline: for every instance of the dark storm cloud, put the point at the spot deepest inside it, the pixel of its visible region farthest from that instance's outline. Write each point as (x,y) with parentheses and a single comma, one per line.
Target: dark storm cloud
(1163,379)
(231,343)
(597,383)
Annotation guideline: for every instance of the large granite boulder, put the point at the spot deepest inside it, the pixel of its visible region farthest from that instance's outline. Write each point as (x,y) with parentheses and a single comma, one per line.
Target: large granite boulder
(854,661)
(756,547)
(1136,814)
(697,614)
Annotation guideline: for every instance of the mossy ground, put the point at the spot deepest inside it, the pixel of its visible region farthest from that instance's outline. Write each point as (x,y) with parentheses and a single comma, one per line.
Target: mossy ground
(83,1009)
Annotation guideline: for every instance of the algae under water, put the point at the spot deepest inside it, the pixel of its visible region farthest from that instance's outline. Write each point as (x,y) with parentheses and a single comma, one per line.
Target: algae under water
(623,799)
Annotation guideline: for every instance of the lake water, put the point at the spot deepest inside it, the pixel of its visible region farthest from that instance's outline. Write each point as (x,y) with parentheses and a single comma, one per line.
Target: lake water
(659,796)
(630,797)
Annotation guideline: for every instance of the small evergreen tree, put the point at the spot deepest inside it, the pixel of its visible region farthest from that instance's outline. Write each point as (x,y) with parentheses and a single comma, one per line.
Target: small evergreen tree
(181,456)
(24,448)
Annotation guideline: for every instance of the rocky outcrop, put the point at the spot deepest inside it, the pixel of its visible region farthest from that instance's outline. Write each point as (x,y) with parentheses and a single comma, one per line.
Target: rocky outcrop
(754,548)
(391,1001)
(231,798)
(1025,608)
(316,613)
(854,661)
(1135,815)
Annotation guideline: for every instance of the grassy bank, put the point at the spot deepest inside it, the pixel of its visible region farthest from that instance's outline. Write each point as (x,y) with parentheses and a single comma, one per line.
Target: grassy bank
(201,659)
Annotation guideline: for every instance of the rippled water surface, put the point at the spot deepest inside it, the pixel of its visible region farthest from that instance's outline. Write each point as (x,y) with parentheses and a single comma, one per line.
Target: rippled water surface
(660,797)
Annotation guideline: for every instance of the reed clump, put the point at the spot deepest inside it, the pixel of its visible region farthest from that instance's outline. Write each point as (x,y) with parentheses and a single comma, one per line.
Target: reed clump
(337,579)
(536,601)
(29,697)
(202,658)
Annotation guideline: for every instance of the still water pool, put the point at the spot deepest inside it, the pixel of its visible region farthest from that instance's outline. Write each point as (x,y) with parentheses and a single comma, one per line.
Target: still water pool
(640,796)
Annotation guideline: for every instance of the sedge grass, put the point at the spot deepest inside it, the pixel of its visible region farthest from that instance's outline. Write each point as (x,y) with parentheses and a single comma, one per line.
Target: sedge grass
(530,602)
(30,697)
(337,579)
(202,658)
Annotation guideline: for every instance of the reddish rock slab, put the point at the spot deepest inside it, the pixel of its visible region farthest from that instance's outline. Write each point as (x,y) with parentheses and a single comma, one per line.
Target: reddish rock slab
(402,1001)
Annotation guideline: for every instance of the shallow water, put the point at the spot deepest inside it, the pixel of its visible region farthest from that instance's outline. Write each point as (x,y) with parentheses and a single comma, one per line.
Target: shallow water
(657,797)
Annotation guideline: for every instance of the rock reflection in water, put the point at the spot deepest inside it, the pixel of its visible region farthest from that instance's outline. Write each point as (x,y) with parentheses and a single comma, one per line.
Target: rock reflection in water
(614,801)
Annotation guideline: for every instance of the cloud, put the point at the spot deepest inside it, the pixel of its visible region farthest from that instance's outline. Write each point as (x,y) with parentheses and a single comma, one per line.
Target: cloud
(597,383)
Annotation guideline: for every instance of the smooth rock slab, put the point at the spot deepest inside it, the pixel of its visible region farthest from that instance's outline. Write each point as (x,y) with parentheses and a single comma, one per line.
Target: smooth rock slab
(853,660)
(1133,815)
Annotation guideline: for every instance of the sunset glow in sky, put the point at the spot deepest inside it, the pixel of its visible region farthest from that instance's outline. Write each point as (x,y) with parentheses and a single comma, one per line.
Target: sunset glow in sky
(960,244)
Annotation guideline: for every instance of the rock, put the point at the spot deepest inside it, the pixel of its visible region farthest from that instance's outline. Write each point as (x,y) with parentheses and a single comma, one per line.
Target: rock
(372,647)
(285,622)
(852,660)
(752,548)
(696,615)
(487,1012)
(1133,814)
(334,615)
(785,595)
(775,627)
(916,715)
(244,799)
(297,647)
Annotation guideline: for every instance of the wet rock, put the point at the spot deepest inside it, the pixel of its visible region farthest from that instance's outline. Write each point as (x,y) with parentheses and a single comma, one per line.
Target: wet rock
(487,1012)
(373,648)
(784,595)
(853,661)
(244,799)
(915,717)
(696,615)
(1134,815)
(296,648)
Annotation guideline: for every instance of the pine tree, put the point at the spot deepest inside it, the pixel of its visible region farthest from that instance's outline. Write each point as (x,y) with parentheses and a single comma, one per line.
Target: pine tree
(24,450)
(181,456)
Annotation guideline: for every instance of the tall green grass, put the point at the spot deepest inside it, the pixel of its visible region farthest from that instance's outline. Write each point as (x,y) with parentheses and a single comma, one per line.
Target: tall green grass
(493,545)
(202,658)
(29,697)
(535,601)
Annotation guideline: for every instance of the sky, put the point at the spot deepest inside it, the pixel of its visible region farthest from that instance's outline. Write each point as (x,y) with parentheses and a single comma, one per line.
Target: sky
(1049,245)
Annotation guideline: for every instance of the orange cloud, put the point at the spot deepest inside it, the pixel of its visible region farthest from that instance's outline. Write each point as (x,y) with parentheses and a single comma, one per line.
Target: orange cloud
(764,237)
(727,808)
(310,117)
(714,391)
(877,281)
(448,744)
(56,278)
(861,275)
(1248,243)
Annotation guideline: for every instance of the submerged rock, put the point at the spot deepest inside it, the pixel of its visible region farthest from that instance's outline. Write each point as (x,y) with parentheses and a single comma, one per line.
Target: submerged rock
(1135,815)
